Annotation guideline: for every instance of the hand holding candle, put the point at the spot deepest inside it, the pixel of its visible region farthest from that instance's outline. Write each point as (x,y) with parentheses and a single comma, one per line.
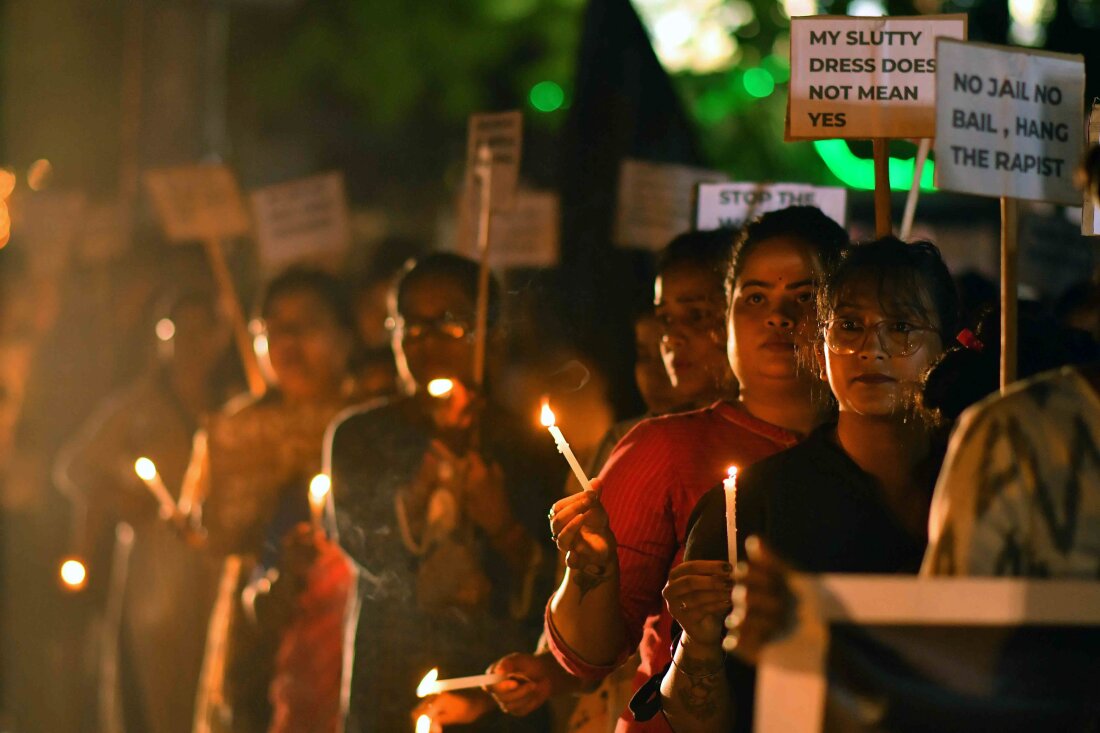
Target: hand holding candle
(319,489)
(549,421)
(432,685)
(147,472)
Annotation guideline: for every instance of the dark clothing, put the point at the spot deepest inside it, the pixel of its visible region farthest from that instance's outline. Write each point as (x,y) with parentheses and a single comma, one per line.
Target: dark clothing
(415,612)
(815,508)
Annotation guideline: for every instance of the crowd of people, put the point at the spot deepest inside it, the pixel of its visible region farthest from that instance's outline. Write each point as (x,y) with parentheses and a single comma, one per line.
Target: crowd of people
(841,378)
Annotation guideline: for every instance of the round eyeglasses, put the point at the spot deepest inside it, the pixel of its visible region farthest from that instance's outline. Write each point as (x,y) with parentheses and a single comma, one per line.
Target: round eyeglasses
(897,338)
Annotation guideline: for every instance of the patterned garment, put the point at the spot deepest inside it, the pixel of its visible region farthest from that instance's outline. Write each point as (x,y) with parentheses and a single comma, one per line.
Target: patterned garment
(1019,494)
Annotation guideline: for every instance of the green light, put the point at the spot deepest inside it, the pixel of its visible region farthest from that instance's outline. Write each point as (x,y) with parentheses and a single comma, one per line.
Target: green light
(546,96)
(758,82)
(856,172)
(779,68)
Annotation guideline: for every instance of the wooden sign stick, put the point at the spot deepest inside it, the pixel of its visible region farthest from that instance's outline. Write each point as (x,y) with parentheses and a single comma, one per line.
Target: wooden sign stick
(914,189)
(232,304)
(484,175)
(883,225)
(1009,256)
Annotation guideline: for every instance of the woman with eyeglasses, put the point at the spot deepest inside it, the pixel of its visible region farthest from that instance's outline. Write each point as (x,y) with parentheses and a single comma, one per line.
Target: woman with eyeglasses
(852,498)
(439,502)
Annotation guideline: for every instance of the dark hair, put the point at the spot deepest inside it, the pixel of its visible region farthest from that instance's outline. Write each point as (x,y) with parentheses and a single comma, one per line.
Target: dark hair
(900,271)
(962,376)
(327,287)
(460,270)
(708,250)
(807,223)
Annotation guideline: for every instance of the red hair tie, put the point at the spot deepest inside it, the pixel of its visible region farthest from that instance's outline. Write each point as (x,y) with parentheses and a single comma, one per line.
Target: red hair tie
(967,338)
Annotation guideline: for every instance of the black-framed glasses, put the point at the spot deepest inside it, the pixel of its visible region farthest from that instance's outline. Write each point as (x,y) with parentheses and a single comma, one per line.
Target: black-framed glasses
(897,338)
(446,326)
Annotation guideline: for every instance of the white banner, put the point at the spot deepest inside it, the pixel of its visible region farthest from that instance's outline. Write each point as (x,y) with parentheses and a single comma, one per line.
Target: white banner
(197,202)
(865,77)
(655,202)
(527,235)
(302,220)
(1009,121)
(731,205)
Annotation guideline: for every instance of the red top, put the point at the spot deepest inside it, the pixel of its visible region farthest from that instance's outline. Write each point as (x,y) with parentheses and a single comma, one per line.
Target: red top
(651,483)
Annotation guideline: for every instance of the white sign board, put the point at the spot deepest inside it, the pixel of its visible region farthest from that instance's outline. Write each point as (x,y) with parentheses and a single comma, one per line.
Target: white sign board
(301,220)
(1090,213)
(731,205)
(655,202)
(1009,122)
(792,682)
(865,77)
(196,202)
(528,235)
(503,133)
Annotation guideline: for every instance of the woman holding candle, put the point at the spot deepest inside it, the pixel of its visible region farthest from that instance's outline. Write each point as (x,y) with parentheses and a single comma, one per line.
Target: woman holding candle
(621,544)
(439,502)
(853,497)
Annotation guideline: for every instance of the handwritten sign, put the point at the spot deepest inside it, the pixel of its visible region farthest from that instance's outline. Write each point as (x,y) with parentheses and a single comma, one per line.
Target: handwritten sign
(301,220)
(1090,213)
(503,133)
(865,77)
(731,205)
(1009,121)
(197,202)
(655,202)
(528,235)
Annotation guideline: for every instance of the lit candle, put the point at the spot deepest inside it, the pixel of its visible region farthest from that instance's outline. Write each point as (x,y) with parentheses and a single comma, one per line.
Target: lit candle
(423,724)
(432,685)
(147,472)
(549,420)
(440,388)
(318,497)
(73,575)
(730,487)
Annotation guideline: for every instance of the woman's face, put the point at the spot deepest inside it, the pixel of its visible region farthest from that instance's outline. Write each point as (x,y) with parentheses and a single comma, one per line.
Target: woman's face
(690,305)
(772,313)
(434,333)
(874,354)
(649,369)
(306,345)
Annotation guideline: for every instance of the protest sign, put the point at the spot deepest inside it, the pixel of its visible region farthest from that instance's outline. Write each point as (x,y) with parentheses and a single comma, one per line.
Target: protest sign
(865,77)
(1008,121)
(46,224)
(528,235)
(890,653)
(655,202)
(730,205)
(503,133)
(197,202)
(1090,213)
(306,219)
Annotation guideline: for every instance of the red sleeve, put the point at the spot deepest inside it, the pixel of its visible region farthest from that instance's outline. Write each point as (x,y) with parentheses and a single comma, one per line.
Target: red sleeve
(638,481)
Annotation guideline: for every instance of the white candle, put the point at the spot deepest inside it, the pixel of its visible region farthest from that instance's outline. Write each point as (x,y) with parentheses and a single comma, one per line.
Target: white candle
(319,488)
(147,472)
(549,420)
(430,685)
(730,487)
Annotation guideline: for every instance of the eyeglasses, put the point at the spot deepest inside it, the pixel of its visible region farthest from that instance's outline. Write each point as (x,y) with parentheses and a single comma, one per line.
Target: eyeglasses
(897,338)
(446,326)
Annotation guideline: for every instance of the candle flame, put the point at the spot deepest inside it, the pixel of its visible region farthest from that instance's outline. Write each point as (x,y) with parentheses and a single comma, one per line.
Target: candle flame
(440,387)
(73,574)
(732,471)
(423,724)
(319,487)
(165,329)
(547,416)
(145,469)
(427,685)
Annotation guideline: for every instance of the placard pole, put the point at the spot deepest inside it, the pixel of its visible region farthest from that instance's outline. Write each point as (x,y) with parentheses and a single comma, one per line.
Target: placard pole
(1009,256)
(231,304)
(484,175)
(883,226)
(914,189)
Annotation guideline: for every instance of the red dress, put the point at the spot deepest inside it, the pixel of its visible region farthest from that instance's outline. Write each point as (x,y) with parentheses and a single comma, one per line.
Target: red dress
(651,483)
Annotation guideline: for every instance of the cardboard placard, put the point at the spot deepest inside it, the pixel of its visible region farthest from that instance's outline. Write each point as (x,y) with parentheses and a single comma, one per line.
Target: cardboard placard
(655,202)
(1009,121)
(528,235)
(503,133)
(45,225)
(302,220)
(865,77)
(197,202)
(909,618)
(1090,212)
(731,205)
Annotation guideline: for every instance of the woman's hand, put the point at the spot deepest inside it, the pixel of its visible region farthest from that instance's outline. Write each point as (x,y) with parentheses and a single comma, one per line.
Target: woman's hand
(763,605)
(698,597)
(528,685)
(581,529)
